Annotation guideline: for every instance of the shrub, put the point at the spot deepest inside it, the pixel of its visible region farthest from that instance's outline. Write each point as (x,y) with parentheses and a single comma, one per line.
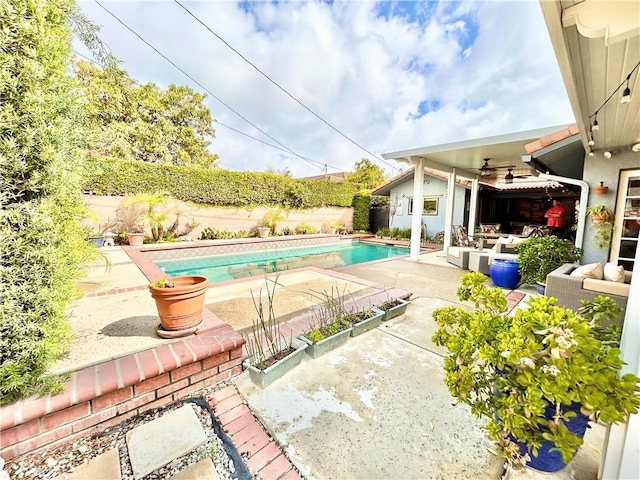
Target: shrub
(215,186)
(541,255)
(361,207)
(305,229)
(40,232)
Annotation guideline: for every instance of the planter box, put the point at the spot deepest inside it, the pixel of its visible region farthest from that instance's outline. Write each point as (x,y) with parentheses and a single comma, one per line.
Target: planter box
(396,311)
(266,377)
(368,324)
(318,349)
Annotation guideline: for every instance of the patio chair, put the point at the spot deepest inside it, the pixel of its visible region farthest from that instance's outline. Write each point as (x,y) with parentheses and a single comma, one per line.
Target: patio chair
(533,231)
(459,255)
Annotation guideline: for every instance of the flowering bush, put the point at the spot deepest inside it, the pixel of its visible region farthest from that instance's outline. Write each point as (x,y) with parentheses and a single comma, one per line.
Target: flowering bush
(510,368)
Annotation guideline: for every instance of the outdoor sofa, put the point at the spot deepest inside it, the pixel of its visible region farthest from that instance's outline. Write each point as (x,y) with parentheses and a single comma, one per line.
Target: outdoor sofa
(569,290)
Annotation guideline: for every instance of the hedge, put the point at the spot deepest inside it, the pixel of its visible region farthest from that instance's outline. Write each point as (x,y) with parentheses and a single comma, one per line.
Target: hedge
(110,176)
(41,243)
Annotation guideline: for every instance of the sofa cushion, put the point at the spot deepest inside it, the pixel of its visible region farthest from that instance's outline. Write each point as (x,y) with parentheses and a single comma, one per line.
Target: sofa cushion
(591,270)
(614,273)
(606,288)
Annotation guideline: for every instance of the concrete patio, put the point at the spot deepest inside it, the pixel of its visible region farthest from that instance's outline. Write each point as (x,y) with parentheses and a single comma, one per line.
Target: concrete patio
(375,408)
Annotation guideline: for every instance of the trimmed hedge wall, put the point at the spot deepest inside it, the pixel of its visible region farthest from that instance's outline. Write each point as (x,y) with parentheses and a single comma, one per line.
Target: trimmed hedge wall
(109,176)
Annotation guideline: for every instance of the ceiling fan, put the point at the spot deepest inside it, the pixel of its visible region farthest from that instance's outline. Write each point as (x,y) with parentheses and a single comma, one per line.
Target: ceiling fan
(486,170)
(508,178)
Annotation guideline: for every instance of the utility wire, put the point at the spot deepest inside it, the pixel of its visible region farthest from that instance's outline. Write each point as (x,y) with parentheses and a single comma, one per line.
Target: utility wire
(273,146)
(88,58)
(281,88)
(200,85)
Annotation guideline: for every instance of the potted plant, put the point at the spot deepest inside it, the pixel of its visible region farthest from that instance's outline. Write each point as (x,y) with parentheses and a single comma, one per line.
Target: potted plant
(602,218)
(331,327)
(270,220)
(270,354)
(601,190)
(539,256)
(600,214)
(537,377)
(179,301)
(263,231)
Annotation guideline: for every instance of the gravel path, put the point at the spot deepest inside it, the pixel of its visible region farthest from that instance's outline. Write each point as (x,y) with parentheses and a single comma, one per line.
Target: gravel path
(64,459)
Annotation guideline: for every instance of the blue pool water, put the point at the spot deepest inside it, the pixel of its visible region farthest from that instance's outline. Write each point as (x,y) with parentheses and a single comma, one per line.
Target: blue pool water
(226,267)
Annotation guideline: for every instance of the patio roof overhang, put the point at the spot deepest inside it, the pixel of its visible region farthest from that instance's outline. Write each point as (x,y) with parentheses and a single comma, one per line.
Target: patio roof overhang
(597,45)
(467,156)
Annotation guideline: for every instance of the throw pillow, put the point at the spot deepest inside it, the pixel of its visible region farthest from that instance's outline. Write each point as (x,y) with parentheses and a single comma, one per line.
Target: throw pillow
(592,270)
(614,273)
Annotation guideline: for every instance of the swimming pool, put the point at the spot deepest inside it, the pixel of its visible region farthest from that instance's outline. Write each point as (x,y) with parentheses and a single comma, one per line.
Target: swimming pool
(227,267)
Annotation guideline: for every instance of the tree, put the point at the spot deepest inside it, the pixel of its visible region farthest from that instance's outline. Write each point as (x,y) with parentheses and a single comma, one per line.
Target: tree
(143,122)
(41,159)
(367,174)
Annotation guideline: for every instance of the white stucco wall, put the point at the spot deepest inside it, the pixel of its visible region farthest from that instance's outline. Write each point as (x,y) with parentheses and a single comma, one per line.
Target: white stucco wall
(435,187)
(599,169)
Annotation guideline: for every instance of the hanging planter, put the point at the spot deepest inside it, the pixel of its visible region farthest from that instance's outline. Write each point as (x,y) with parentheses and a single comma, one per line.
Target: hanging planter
(601,190)
(600,214)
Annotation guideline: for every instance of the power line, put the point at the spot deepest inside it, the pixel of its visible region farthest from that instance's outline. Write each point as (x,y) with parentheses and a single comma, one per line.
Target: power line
(287,149)
(281,88)
(88,58)
(273,146)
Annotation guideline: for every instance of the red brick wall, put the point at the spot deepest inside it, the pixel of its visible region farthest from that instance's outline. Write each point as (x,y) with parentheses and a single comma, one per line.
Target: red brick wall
(103,411)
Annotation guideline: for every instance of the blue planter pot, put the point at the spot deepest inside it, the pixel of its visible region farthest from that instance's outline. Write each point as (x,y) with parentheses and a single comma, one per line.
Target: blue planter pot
(504,273)
(551,461)
(97,241)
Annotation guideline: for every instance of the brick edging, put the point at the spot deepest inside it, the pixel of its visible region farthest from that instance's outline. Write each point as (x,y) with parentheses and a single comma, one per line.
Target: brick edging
(264,456)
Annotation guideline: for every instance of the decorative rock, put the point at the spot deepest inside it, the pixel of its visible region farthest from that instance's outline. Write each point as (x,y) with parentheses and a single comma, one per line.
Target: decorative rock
(164,439)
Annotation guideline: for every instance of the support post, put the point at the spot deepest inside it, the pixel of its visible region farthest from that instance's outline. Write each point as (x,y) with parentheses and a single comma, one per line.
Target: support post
(416,219)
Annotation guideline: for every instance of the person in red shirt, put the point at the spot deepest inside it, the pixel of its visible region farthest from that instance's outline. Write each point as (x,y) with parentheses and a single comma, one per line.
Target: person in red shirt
(555,218)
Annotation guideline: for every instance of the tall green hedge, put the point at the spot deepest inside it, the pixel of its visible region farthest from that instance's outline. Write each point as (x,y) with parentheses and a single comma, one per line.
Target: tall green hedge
(41,245)
(109,176)
(361,208)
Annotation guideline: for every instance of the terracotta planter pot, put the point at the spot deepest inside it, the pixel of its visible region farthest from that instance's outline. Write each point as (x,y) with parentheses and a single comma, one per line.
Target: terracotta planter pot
(180,307)
(600,190)
(135,239)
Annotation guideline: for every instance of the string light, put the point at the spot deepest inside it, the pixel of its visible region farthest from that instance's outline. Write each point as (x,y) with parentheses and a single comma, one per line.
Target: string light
(625,99)
(626,94)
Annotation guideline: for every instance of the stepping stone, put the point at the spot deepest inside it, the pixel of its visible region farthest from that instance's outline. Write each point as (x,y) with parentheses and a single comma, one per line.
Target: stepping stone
(159,442)
(203,470)
(102,467)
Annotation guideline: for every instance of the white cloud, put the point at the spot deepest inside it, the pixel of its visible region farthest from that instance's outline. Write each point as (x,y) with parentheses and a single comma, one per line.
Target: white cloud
(482,68)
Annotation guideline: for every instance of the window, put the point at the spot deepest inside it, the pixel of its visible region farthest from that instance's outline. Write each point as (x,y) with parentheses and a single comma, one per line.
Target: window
(627,222)
(430,206)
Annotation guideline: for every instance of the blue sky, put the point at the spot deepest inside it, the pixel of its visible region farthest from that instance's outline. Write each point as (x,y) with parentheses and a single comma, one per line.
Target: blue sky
(387,75)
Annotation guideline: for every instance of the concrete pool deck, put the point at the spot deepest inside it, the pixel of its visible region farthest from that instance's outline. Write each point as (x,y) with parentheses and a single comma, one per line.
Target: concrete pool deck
(126,319)
(375,408)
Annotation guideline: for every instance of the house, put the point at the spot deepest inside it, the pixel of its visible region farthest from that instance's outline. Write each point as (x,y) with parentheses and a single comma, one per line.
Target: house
(491,164)
(399,189)
(597,45)
(512,205)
